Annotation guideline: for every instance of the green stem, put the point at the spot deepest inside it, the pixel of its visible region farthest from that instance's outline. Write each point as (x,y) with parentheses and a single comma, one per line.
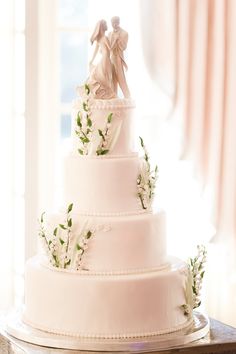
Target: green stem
(141,199)
(68,236)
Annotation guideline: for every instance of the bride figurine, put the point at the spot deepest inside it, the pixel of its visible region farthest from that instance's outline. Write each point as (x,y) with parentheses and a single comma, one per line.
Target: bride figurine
(100,78)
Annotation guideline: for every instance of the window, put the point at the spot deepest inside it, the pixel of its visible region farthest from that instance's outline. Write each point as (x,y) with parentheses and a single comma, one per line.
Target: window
(12,90)
(72,17)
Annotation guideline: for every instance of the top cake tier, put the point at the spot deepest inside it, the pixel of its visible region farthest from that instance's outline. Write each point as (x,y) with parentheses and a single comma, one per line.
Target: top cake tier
(103,127)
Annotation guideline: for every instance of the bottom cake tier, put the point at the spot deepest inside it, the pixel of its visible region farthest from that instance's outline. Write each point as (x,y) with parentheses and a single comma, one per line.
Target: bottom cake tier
(88,304)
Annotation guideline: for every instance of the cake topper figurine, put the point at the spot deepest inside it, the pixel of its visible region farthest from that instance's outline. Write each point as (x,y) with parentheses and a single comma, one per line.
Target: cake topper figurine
(118,42)
(100,79)
(108,73)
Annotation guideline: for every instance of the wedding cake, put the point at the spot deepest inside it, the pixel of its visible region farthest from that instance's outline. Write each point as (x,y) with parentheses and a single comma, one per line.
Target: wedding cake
(105,272)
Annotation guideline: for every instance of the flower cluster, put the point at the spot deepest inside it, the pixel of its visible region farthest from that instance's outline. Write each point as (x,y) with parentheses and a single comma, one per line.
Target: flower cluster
(146,181)
(81,246)
(197,265)
(60,246)
(194,280)
(85,127)
(102,148)
(84,124)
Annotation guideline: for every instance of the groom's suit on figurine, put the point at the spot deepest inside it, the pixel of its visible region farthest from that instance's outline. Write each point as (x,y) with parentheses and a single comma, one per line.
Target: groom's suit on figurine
(118,43)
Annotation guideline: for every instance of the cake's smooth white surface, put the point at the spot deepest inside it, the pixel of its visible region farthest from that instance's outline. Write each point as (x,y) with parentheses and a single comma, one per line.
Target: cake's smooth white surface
(121,243)
(127,287)
(122,127)
(102,185)
(106,306)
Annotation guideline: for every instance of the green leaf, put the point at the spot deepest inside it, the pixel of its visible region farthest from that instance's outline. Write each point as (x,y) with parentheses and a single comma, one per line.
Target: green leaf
(85,107)
(61,241)
(89,234)
(80,151)
(70,207)
(49,242)
(42,217)
(78,121)
(87,89)
(56,260)
(141,141)
(89,122)
(98,152)
(68,262)
(70,222)
(101,152)
(109,118)
(84,139)
(62,226)
(101,134)
(78,247)
(55,232)
(202,274)
(104,152)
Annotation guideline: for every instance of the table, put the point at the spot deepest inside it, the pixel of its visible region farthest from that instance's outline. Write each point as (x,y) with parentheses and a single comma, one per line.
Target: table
(221,339)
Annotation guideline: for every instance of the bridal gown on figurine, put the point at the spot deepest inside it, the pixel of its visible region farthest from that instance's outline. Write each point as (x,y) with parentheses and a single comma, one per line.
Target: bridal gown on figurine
(100,79)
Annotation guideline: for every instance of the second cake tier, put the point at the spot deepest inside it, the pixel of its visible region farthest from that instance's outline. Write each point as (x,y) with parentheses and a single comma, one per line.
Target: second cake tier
(103,185)
(118,244)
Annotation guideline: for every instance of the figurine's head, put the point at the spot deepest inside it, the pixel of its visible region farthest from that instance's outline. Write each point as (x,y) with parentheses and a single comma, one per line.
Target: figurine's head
(99,31)
(115,22)
(104,25)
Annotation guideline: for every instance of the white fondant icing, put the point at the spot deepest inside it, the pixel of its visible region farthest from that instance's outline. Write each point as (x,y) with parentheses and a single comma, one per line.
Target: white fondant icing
(120,244)
(45,263)
(108,306)
(102,185)
(109,336)
(121,130)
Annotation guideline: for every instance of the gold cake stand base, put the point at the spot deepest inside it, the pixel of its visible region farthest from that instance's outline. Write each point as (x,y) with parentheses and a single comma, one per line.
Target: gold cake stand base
(198,329)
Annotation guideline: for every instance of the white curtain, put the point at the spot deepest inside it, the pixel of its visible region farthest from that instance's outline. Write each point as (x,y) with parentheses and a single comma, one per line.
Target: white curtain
(193,45)
(6,152)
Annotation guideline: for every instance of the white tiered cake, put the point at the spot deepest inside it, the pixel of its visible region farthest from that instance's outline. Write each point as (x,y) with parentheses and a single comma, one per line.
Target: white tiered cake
(125,286)
(106,273)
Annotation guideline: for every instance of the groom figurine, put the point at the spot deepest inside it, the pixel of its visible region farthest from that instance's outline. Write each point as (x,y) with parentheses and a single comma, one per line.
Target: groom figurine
(118,42)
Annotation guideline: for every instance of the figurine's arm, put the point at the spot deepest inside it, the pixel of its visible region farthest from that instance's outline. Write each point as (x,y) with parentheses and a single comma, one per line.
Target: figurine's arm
(123,41)
(94,53)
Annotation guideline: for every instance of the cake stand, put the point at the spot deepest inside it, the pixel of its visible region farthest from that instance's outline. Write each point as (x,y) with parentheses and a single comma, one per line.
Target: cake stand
(198,329)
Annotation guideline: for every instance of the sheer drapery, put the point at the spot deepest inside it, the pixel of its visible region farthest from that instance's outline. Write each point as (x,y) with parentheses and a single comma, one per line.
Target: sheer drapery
(12,150)
(201,65)
(6,180)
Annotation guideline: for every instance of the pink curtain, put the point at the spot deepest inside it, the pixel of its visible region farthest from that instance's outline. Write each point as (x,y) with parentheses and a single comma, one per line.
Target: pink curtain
(189,48)
(192,44)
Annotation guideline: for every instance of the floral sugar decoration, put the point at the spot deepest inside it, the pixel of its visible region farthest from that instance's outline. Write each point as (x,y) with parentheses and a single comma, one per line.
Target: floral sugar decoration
(146,181)
(196,271)
(103,147)
(64,248)
(85,127)
(84,124)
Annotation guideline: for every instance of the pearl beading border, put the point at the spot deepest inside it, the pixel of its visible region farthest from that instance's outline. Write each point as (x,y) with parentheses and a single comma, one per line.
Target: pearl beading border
(128,213)
(108,336)
(113,104)
(107,273)
(104,157)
